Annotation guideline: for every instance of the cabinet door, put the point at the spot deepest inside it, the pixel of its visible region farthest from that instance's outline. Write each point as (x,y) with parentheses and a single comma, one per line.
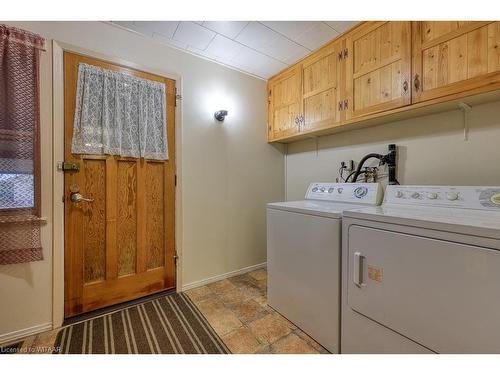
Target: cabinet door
(454,56)
(284,103)
(378,68)
(321,75)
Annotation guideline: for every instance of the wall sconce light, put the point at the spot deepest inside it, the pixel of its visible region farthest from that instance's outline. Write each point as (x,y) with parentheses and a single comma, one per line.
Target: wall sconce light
(220,115)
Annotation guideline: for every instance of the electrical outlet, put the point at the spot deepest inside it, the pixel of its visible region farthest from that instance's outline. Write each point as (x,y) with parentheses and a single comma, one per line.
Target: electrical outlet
(348,165)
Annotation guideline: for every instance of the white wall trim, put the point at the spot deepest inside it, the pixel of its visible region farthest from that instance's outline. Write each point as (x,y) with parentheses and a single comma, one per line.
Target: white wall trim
(212,279)
(12,337)
(58,49)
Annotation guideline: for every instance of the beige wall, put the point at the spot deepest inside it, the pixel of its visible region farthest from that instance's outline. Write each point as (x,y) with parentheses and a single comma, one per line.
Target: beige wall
(228,170)
(432,150)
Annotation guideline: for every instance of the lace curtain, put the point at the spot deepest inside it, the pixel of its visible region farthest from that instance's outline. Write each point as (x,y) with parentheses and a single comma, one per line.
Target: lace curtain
(19,146)
(119,114)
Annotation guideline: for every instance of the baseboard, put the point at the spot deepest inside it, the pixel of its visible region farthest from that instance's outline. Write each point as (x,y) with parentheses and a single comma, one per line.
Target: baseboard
(212,279)
(12,337)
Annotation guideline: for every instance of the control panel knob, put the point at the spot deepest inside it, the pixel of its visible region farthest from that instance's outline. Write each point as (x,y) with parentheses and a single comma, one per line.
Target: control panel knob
(322,189)
(452,196)
(331,190)
(360,191)
(495,199)
(415,195)
(432,195)
(315,189)
(399,194)
(340,190)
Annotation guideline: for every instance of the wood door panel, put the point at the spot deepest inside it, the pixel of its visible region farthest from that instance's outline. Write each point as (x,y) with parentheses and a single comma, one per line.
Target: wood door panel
(378,67)
(321,87)
(155,215)
(320,108)
(120,246)
(494,47)
(94,221)
(452,56)
(284,103)
(127,217)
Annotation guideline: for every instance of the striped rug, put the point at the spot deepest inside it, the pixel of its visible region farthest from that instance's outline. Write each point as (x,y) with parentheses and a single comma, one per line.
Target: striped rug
(167,325)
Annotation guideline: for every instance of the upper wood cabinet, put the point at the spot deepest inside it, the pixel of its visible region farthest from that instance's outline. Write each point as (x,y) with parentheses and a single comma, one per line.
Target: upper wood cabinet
(454,56)
(322,87)
(384,68)
(378,68)
(285,103)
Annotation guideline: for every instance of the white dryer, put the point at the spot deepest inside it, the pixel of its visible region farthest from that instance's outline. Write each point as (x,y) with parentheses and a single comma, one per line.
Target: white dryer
(303,256)
(421,273)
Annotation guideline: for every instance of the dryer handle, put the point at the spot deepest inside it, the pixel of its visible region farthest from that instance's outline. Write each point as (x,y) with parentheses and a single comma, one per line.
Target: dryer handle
(358,269)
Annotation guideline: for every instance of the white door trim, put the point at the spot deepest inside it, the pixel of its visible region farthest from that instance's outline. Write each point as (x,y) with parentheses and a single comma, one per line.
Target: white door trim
(58,49)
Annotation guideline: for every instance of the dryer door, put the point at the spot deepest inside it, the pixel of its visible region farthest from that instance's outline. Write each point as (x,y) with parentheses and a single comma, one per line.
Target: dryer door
(442,295)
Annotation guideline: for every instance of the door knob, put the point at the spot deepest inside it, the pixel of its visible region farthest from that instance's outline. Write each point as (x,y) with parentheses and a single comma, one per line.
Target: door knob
(77,197)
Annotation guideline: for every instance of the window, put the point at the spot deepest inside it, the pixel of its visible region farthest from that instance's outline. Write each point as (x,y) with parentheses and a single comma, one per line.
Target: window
(19,146)
(17,190)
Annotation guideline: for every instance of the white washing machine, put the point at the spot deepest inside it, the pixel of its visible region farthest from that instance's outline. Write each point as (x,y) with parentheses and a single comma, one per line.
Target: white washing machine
(303,256)
(421,273)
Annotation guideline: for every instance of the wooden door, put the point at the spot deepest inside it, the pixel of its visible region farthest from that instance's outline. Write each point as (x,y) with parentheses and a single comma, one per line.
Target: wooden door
(284,103)
(322,87)
(378,68)
(121,245)
(453,57)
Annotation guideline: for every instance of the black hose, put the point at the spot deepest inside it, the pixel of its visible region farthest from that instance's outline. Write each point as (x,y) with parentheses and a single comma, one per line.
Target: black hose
(360,165)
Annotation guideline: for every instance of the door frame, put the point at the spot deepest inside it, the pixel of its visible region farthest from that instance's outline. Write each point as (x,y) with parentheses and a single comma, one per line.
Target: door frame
(58,49)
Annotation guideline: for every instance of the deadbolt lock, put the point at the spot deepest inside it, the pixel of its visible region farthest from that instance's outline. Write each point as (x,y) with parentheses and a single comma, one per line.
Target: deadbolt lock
(69,166)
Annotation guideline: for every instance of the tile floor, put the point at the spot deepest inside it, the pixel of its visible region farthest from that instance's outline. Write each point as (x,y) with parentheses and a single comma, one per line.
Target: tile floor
(237,310)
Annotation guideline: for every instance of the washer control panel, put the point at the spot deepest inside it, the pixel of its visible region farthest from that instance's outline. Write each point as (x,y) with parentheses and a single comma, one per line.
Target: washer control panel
(473,197)
(368,193)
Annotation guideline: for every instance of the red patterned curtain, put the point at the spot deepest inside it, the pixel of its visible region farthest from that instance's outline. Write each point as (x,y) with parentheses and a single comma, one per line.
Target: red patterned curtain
(19,146)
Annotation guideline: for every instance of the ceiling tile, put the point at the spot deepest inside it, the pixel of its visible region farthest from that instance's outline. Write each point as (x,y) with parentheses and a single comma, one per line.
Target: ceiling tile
(138,27)
(257,63)
(284,50)
(341,26)
(225,48)
(261,38)
(227,28)
(165,28)
(125,24)
(151,27)
(291,29)
(168,41)
(255,35)
(204,53)
(259,48)
(317,36)
(193,34)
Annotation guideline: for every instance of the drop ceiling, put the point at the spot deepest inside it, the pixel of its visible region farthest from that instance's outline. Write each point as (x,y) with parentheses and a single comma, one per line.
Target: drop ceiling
(258,48)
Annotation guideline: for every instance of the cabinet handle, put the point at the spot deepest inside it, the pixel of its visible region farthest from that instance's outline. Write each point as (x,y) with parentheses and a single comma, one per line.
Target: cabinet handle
(340,55)
(405,86)
(341,106)
(346,104)
(416,82)
(358,269)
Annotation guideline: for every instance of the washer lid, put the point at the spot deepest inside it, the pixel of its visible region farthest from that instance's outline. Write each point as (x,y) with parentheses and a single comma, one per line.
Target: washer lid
(457,220)
(314,207)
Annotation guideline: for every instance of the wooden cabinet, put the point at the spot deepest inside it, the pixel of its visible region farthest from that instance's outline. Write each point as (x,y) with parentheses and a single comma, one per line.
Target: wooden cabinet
(454,56)
(284,103)
(322,87)
(378,68)
(384,68)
